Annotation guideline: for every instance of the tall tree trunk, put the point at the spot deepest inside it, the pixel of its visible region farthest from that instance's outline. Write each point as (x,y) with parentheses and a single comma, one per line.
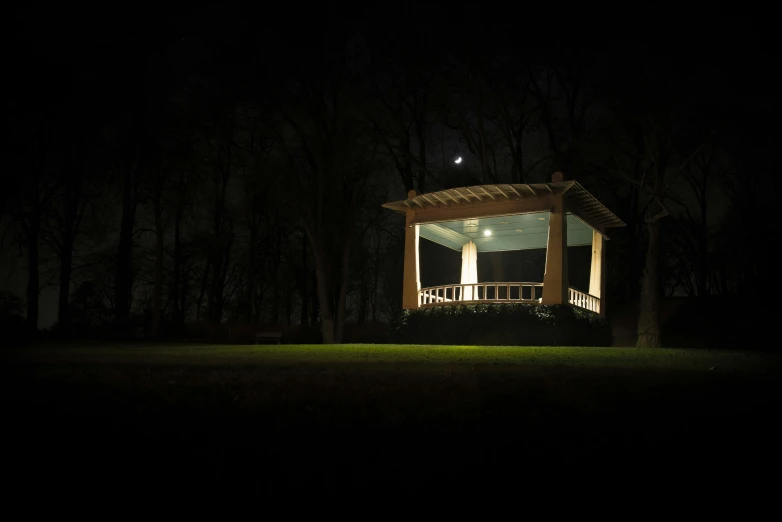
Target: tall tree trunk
(183,297)
(363,300)
(213,284)
(703,263)
(157,297)
(33,232)
(363,289)
(703,240)
(66,265)
(204,284)
(314,302)
(220,183)
(217,297)
(304,282)
(274,313)
(288,304)
(177,315)
(649,313)
(339,326)
(631,288)
(276,282)
(124,275)
(247,299)
(376,280)
(66,258)
(323,278)
(648,318)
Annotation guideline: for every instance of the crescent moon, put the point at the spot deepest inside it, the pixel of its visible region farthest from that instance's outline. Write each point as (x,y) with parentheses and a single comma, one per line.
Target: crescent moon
(458,160)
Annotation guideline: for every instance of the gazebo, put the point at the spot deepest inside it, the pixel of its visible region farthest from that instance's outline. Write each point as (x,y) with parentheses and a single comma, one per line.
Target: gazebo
(496,218)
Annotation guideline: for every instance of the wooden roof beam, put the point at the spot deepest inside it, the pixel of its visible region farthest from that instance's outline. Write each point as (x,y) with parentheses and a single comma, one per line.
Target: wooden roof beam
(458,193)
(441,200)
(590,206)
(427,198)
(450,196)
(502,191)
(474,194)
(492,196)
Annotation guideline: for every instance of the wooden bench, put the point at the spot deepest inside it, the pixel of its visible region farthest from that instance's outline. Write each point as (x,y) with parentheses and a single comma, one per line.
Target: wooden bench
(271,337)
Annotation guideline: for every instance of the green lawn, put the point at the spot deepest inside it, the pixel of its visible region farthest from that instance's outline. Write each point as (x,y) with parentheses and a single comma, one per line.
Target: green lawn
(270,420)
(359,354)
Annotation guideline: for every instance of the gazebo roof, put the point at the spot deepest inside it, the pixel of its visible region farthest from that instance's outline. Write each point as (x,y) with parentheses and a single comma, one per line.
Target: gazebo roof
(579,201)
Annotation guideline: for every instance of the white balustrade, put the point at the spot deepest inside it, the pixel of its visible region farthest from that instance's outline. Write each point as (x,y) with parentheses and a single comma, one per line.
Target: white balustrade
(583,300)
(500,292)
(482,292)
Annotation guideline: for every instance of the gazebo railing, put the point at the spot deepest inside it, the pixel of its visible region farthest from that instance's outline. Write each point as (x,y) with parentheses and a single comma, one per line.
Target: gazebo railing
(500,292)
(497,292)
(583,300)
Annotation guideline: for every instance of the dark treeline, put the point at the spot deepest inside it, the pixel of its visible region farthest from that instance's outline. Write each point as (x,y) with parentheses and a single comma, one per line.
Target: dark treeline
(212,169)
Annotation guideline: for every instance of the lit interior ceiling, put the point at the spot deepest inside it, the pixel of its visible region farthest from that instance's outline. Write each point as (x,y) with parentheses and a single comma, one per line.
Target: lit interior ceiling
(519,232)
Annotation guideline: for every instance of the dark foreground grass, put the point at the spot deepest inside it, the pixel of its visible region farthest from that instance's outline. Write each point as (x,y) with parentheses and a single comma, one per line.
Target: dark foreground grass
(375,419)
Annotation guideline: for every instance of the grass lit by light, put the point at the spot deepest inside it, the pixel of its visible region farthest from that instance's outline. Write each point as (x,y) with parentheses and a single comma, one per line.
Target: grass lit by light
(163,353)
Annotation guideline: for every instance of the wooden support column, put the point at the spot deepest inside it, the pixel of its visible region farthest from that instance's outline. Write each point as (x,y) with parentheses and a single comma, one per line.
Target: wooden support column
(555,279)
(597,275)
(469,269)
(411,285)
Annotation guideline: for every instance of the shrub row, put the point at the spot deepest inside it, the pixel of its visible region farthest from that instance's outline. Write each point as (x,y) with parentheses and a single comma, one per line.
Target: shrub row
(502,324)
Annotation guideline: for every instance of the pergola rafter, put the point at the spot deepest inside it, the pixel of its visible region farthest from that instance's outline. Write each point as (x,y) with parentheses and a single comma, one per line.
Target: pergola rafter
(429,199)
(487,192)
(450,196)
(473,193)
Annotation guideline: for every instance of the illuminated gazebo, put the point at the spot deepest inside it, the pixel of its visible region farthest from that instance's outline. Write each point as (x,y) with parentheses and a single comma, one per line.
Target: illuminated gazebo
(498,218)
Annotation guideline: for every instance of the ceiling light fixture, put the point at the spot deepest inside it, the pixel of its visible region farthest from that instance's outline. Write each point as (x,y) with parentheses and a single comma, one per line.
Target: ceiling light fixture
(487,233)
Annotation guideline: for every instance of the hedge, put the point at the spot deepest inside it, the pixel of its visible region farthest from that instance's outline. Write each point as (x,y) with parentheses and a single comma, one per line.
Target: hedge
(502,324)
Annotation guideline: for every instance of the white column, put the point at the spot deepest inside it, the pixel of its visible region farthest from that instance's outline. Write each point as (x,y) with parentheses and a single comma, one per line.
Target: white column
(469,269)
(411,285)
(596,273)
(555,279)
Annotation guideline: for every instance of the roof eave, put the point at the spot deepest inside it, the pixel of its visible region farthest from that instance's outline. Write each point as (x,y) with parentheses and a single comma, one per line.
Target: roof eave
(580,199)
